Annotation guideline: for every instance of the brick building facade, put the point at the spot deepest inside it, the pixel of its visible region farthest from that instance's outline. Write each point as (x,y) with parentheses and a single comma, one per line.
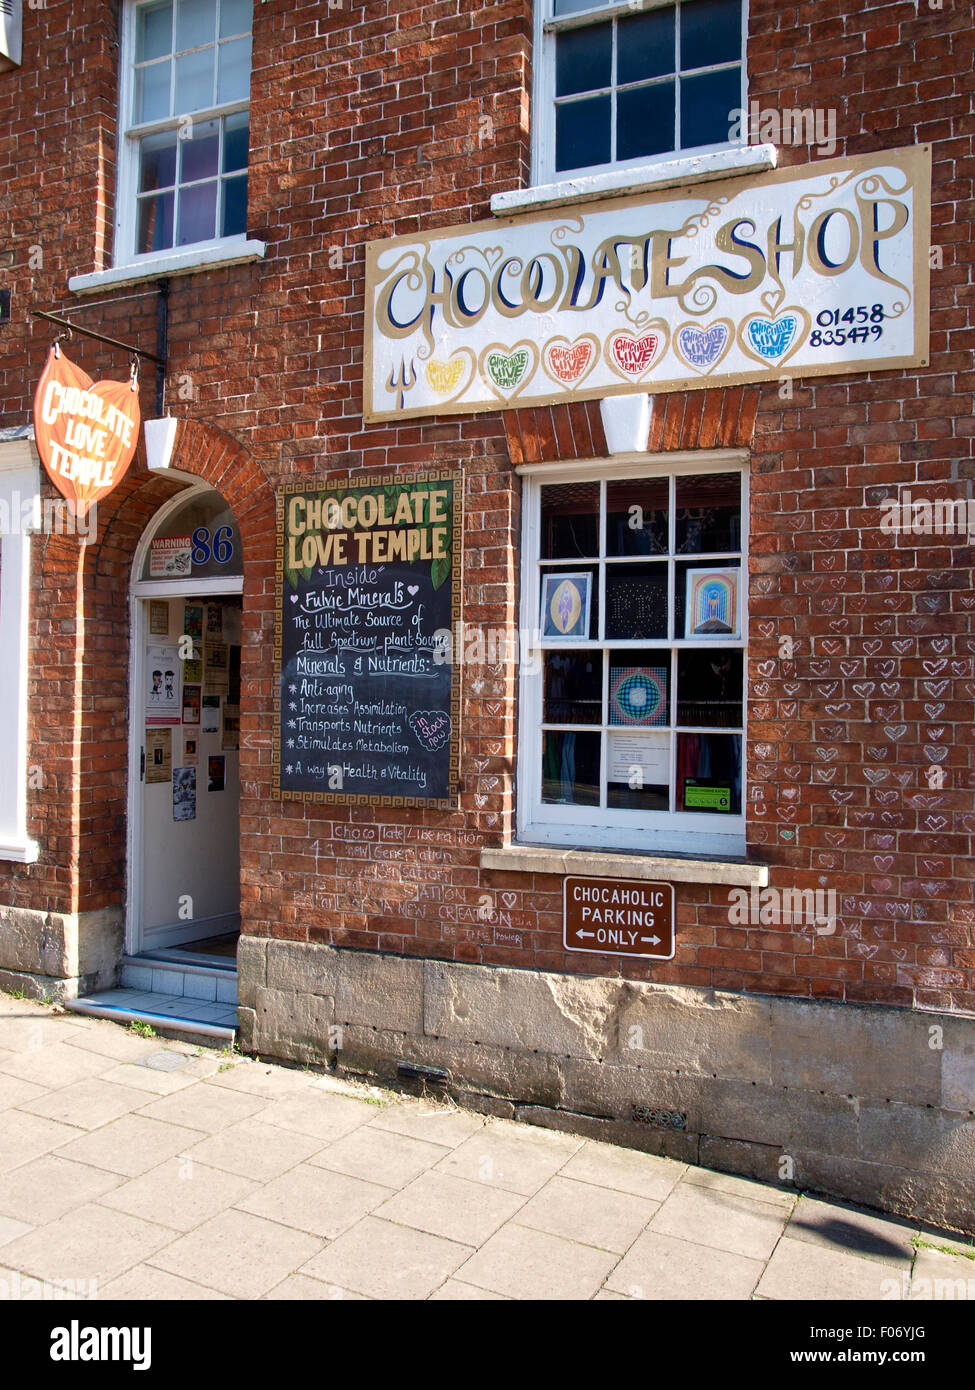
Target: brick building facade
(373,935)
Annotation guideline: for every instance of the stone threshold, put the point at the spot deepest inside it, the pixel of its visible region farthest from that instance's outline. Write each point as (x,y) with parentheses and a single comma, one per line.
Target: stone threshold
(546,859)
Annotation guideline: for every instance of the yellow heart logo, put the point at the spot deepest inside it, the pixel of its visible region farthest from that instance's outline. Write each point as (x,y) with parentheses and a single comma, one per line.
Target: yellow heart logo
(444,376)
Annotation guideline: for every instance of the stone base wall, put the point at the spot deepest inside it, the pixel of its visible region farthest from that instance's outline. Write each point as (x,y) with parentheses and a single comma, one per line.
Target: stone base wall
(876,1105)
(59,955)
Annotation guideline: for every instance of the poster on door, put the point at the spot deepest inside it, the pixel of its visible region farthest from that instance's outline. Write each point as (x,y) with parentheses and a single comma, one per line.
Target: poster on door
(164,701)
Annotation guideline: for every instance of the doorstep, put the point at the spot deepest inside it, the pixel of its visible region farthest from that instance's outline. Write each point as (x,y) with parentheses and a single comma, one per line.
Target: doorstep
(171,995)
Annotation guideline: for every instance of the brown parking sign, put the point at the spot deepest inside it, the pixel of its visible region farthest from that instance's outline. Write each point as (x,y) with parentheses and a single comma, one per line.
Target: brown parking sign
(619,917)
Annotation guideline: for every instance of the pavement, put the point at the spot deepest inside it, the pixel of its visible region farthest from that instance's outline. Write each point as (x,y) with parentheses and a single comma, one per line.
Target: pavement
(137,1167)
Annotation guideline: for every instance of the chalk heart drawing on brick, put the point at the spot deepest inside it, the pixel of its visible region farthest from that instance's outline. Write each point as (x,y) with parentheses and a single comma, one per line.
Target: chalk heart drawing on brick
(508,370)
(702,348)
(634,356)
(450,378)
(569,363)
(774,339)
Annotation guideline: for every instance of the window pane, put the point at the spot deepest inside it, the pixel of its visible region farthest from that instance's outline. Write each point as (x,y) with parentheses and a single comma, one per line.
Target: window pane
(636,519)
(718,605)
(584,60)
(570,521)
(706,104)
(563,610)
(152,92)
(645,121)
(235,140)
(234,207)
(710,32)
(645,46)
(574,6)
(639,689)
(709,774)
(153,32)
(235,17)
(194,80)
(573,688)
(200,152)
(157,161)
(638,771)
(197,213)
(570,769)
(636,601)
(234,69)
(708,513)
(582,134)
(155,229)
(709,688)
(196,23)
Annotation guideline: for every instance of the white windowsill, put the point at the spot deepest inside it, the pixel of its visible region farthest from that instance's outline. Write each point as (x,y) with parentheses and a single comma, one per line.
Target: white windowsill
(20,852)
(161,267)
(540,859)
(585,188)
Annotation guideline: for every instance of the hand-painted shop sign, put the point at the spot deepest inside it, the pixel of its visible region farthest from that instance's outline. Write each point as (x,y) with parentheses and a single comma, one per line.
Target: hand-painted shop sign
(805,271)
(86,432)
(368,583)
(619,917)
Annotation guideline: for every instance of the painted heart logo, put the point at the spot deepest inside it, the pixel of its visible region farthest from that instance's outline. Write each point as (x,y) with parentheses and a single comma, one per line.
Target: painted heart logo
(86,431)
(431,727)
(634,356)
(508,368)
(702,349)
(774,340)
(568,362)
(443,377)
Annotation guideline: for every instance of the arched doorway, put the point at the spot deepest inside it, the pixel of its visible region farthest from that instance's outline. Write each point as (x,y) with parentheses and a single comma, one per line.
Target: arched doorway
(183,893)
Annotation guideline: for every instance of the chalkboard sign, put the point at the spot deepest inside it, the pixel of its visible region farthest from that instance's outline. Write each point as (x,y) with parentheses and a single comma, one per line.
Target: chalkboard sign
(367,702)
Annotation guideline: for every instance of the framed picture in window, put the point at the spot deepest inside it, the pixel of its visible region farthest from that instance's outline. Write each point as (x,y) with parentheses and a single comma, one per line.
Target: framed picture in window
(638,695)
(566,600)
(711,607)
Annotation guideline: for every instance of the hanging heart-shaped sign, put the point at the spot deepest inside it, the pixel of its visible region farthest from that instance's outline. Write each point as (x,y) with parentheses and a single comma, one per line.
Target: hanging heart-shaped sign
(86,432)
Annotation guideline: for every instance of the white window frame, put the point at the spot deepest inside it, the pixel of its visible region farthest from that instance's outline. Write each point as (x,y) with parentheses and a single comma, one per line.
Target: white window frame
(547,29)
(20,505)
(129,135)
(588,827)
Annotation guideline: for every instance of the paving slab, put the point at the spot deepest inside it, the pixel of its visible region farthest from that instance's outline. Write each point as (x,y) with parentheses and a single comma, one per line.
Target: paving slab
(455,1291)
(380,1156)
(509,1157)
(437,1124)
(315,1200)
(23,1137)
(49,1187)
(300,1288)
(204,1106)
(940,1277)
(14,1091)
(459,1210)
(87,1104)
(527,1264)
(319,1114)
(664,1268)
(591,1215)
(802,1270)
(237,1254)
(56,1064)
(783,1198)
(254,1149)
(88,1243)
(11,1229)
(625,1170)
(180,1193)
(261,1079)
(129,1146)
(145,1284)
(720,1220)
(838,1227)
(382,1260)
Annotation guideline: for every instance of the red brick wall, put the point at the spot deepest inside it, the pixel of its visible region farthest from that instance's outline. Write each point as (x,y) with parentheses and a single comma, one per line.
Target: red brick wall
(368,121)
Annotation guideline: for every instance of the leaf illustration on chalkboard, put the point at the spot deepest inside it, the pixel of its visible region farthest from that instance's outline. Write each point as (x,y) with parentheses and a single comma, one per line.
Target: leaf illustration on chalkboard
(440,569)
